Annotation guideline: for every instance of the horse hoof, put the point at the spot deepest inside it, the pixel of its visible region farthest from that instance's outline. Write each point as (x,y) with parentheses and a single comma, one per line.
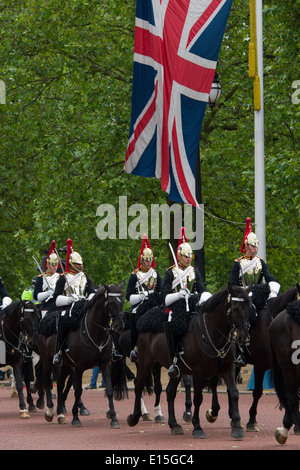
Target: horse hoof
(32,409)
(76,423)
(24,414)
(131,421)
(115,425)
(48,418)
(281,435)
(252,427)
(160,419)
(147,417)
(187,416)
(210,418)
(237,433)
(40,404)
(61,419)
(199,434)
(177,431)
(84,412)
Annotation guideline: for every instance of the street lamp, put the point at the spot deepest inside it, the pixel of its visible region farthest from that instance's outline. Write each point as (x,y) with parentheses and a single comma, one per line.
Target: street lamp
(215,91)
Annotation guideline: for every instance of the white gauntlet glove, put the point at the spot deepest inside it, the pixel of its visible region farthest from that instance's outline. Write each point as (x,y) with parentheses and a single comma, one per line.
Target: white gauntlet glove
(42,296)
(204,297)
(6,301)
(171,298)
(136,298)
(63,300)
(274,289)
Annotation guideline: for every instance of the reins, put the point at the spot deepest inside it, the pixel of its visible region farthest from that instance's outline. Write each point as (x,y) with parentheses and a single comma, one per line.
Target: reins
(230,338)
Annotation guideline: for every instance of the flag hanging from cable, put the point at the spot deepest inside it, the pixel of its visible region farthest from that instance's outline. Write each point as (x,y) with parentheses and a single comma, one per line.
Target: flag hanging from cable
(176,48)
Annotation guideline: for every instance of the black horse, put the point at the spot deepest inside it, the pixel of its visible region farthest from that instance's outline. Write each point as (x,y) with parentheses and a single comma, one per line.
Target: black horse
(89,345)
(209,349)
(19,328)
(285,368)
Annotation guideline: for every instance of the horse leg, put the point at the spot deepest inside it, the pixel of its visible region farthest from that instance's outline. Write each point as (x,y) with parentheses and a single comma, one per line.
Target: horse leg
(111,413)
(40,404)
(159,418)
(77,384)
(140,380)
(259,373)
(198,432)
(146,416)
(28,378)
(176,429)
(233,399)
(187,414)
(47,369)
(19,386)
(212,414)
(61,379)
(291,415)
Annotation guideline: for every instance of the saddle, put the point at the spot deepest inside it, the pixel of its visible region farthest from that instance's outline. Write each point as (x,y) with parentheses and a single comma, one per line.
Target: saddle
(70,319)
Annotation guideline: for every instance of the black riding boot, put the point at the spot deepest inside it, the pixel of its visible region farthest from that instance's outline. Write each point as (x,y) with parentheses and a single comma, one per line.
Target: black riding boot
(240,360)
(173,344)
(57,359)
(134,337)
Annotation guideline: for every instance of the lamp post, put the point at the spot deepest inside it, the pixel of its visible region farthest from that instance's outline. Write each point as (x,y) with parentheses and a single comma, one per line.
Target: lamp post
(199,259)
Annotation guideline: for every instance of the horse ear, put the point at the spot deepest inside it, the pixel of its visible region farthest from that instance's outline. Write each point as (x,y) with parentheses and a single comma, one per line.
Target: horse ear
(249,289)
(229,288)
(122,284)
(106,286)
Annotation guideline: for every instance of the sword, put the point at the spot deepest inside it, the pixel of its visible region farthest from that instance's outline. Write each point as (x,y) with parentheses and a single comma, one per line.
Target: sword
(181,281)
(63,271)
(138,286)
(242,274)
(41,271)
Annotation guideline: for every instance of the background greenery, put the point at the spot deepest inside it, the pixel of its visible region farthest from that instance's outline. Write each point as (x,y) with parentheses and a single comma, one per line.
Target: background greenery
(67,67)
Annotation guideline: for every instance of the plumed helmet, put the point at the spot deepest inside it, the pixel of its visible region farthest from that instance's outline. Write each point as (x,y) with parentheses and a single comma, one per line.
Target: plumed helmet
(146,252)
(72,256)
(75,258)
(252,239)
(52,256)
(184,248)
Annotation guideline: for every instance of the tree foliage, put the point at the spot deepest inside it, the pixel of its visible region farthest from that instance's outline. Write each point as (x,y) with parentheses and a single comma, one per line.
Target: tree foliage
(67,67)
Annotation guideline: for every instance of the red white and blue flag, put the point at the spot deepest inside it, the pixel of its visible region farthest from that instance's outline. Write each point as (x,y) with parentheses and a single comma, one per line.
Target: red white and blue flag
(176,48)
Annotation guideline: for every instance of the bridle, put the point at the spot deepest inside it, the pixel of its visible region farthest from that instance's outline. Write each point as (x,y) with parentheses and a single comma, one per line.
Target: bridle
(22,347)
(229,339)
(108,295)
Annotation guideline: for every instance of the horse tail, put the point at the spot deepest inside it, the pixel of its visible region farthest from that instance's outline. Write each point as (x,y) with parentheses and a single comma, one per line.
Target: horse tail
(278,379)
(118,379)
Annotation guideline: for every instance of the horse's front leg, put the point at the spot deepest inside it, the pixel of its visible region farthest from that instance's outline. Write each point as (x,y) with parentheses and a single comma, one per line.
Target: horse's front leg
(19,386)
(61,379)
(27,380)
(212,414)
(171,390)
(106,372)
(141,377)
(77,384)
(233,400)
(198,432)
(259,373)
(187,382)
(159,418)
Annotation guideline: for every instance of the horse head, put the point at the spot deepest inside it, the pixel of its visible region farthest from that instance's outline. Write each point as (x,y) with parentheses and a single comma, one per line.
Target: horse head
(29,319)
(238,309)
(114,304)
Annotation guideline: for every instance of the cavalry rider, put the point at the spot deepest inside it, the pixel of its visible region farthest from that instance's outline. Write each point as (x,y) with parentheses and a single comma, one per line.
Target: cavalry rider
(251,268)
(181,280)
(143,281)
(73,285)
(46,281)
(5,300)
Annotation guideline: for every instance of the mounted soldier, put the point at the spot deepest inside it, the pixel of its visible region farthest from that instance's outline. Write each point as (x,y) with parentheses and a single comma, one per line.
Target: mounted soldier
(72,286)
(46,282)
(182,281)
(250,268)
(144,280)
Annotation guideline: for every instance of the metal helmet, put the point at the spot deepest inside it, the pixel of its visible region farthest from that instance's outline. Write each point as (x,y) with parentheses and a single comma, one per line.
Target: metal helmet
(52,259)
(252,239)
(75,258)
(146,252)
(185,249)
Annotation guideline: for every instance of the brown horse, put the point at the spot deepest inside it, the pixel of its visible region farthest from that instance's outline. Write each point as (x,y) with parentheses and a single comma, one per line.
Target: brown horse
(258,352)
(209,349)
(88,346)
(284,337)
(19,328)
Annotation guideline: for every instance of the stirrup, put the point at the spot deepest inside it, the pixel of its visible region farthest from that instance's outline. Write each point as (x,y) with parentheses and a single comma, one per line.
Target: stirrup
(57,358)
(174,371)
(116,356)
(134,355)
(240,361)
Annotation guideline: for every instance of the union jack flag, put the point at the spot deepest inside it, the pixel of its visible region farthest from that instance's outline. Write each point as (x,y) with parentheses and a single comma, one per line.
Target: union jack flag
(176,48)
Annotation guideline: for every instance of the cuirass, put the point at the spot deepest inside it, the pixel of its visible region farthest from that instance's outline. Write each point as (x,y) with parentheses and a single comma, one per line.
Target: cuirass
(253,273)
(77,283)
(187,281)
(150,282)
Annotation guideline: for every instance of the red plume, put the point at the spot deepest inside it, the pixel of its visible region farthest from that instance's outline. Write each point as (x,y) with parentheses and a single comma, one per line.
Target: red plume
(182,239)
(69,251)
(248,230)
(145,244)
(52,250)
